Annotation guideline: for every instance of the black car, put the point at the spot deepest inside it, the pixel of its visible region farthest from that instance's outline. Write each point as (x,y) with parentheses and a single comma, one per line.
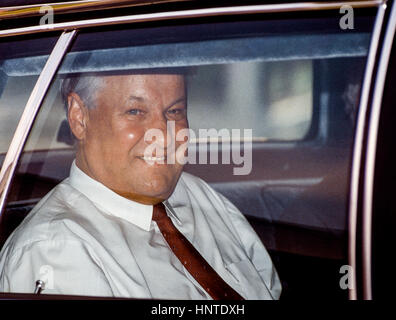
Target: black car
(291,104)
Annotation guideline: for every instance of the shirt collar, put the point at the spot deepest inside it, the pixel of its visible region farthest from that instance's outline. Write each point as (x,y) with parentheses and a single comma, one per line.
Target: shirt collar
(109,201)
(172,212)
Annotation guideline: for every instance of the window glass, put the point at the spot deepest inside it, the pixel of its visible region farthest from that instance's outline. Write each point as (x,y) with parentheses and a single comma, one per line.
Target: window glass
(272,116)
(276,98)
(17,79)
(12,103)
(282,97)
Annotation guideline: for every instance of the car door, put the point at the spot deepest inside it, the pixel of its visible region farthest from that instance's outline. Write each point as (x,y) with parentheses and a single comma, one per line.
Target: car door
(373,211)
(279,88)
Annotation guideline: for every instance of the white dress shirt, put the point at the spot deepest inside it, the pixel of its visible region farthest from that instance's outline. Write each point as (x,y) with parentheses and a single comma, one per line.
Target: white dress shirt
(84,239)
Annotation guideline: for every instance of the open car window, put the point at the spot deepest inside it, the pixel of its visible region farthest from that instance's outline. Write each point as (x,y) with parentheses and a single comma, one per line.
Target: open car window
(271,112)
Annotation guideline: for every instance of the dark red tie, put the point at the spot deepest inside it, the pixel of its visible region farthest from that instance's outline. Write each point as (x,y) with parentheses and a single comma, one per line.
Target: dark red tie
(192,260)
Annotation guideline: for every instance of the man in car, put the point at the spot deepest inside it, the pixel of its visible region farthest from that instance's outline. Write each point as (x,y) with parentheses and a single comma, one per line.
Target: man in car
(128,222)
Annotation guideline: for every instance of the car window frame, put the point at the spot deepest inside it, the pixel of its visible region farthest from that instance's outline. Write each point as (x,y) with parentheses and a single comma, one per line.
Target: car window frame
(30,111)
(368,160)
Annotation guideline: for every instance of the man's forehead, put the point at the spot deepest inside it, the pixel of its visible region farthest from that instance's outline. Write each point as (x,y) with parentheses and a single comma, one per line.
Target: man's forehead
(144,84)
(87,84)
(141,79)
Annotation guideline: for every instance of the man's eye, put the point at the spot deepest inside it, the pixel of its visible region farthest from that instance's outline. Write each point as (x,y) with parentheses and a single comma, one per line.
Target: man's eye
(177,112)
(135,112)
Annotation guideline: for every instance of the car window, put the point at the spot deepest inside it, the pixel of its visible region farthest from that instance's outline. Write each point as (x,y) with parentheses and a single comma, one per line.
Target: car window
(13,77)
(271,113)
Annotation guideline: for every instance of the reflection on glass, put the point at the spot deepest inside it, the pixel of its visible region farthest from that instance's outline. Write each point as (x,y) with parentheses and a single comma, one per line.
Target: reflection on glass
(12,103)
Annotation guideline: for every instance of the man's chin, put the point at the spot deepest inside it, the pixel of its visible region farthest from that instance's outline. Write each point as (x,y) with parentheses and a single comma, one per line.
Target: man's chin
(147,196)
(155,187)
(148,199)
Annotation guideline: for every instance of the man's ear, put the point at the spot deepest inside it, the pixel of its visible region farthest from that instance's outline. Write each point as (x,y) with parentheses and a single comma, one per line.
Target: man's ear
(77,115)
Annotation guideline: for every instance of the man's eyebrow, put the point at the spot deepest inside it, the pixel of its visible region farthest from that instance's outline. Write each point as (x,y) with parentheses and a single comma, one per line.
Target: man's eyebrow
(181,99)
(141,99)
(132,97)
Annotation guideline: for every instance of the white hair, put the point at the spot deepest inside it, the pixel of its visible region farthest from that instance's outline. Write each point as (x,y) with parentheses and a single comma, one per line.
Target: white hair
(85,86)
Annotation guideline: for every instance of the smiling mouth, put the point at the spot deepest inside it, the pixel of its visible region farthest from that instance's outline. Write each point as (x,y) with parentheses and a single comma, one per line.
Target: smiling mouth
(152,159)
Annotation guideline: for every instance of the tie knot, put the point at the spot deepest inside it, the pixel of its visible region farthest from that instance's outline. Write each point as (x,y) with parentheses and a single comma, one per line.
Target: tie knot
(159,211)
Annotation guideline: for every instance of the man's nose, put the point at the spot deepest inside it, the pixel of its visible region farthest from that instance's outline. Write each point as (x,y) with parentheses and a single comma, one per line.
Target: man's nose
(162,132)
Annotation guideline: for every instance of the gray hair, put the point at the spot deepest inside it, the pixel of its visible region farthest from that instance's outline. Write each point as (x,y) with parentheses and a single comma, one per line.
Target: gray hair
(85,86)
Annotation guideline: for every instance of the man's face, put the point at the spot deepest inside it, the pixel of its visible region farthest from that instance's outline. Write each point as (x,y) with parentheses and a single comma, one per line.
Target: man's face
(113,146)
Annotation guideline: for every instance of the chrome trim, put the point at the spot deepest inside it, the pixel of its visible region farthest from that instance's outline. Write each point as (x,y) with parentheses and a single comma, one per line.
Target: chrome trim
(74,6)
(29,113)
(371,153)
(40,285)
(194,13)
(358,147)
